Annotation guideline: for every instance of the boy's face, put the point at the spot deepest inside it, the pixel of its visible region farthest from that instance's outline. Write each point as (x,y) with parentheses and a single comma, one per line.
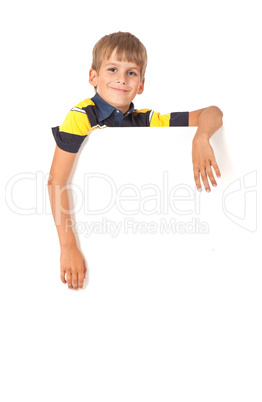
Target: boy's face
(117,82)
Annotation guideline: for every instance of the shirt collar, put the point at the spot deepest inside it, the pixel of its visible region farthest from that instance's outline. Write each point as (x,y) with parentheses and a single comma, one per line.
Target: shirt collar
(105,109)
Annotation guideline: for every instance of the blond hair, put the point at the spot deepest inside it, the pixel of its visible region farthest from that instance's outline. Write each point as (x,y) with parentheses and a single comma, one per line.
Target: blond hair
(127,46)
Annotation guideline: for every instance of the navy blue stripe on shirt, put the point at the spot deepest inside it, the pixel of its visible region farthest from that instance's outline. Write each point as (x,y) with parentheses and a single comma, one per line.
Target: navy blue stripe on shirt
(179,118)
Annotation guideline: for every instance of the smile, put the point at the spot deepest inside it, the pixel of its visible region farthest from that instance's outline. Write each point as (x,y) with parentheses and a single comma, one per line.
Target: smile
(119,90)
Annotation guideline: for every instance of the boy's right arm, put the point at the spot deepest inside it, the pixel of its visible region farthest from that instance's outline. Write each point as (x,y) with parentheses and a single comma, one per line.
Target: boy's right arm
(72,264)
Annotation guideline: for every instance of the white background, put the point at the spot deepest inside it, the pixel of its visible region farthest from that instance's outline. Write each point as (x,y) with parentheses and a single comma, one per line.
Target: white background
(163,317)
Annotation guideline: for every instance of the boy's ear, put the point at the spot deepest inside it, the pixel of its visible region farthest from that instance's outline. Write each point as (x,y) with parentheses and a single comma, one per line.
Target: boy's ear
(93,77)
(141,87)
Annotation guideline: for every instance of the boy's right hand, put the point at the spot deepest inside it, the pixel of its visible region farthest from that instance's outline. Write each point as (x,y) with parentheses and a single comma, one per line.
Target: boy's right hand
(72,267)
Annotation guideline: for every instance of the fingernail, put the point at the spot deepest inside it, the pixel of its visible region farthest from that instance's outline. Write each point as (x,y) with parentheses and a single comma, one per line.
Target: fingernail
(199,189)
(208,190)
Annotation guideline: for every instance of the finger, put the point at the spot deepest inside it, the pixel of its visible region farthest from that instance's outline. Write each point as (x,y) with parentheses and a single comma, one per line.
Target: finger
(81,277)
(197,179)
(205,180)
(69,280)
(75,280)
(216,168)
(211,176)
(85,270)
(62,275)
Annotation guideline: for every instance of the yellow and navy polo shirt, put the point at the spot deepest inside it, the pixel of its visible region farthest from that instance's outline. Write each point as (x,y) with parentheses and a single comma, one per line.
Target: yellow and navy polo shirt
(96,113)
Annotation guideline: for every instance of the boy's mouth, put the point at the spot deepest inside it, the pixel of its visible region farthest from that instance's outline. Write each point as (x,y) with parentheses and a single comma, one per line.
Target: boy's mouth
(119,90)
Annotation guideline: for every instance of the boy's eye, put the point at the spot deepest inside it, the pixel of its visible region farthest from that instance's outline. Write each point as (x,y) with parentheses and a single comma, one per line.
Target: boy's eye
(113,69)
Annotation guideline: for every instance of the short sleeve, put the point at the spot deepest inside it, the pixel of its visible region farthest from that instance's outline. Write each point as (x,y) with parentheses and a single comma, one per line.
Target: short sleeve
(75,128)
(169,120)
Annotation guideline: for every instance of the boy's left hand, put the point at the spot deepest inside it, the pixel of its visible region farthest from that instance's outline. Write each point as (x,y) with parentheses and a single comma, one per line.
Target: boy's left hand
(203,158)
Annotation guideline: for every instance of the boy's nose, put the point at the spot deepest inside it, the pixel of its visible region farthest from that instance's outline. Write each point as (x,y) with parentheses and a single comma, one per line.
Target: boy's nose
(121,79)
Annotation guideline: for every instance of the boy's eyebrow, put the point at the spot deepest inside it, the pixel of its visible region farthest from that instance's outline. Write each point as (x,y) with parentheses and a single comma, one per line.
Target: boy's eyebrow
(134,67)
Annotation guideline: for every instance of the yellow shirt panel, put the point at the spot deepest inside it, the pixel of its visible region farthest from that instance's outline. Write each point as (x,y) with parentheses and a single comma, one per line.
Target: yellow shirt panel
(76,122)
(140,111)
(160,120)
(85,103)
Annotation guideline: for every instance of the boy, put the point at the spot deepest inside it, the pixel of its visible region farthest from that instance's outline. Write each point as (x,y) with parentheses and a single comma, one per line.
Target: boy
(118,75)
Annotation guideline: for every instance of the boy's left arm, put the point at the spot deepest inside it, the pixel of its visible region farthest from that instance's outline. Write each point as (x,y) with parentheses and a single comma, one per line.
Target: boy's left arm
(208,121)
